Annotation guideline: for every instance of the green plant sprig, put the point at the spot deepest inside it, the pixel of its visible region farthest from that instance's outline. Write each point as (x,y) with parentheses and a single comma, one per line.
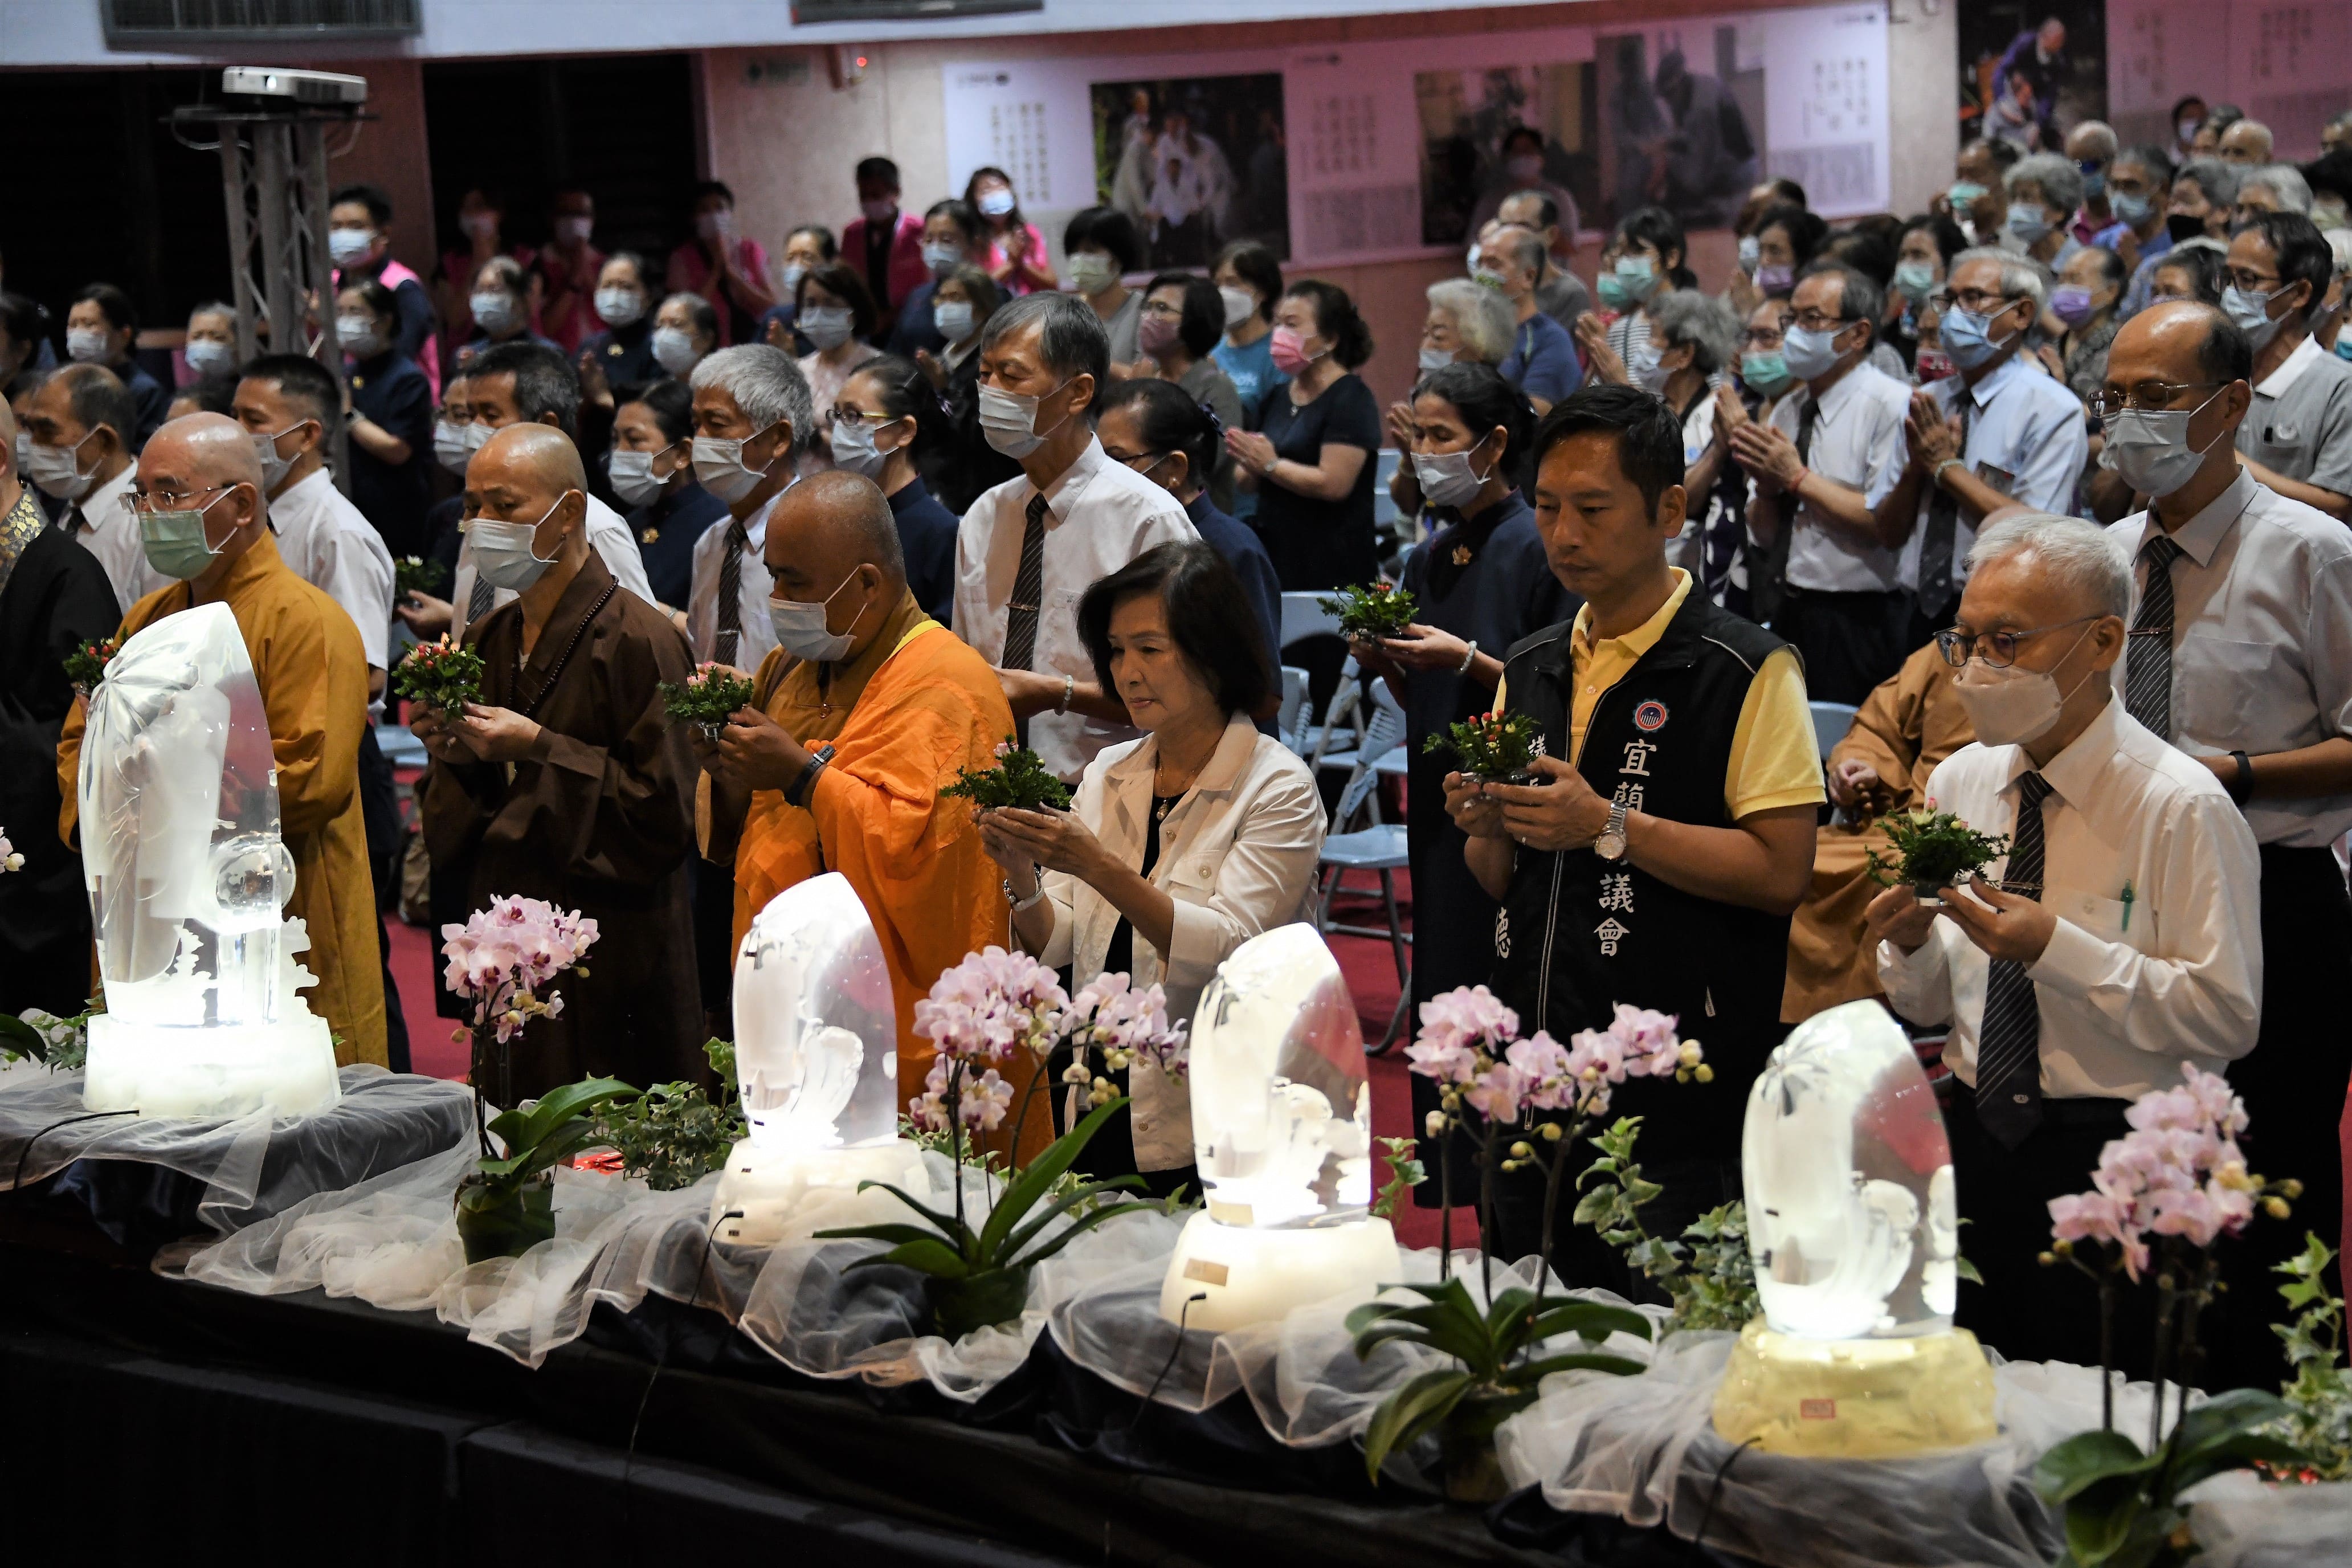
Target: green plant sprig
(1405,1173)
(1709,1274)
(1933,849)
(539,1138)
(2319,1398)
(706,697)
(86,665)
(417,574)
(442,676)
(675,1134)
(1020,782)
(1368,611)
(1492,746)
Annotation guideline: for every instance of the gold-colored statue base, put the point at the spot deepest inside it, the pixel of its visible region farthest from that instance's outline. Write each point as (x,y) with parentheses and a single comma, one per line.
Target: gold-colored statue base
(1855,1399)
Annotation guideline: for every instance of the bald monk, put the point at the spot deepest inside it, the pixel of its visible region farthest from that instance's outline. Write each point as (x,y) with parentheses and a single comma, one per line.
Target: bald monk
(1907,724)
(313,677)
(567,781)
(906,706)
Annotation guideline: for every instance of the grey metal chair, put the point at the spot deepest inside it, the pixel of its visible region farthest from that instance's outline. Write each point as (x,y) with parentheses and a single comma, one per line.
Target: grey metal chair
(1379,848)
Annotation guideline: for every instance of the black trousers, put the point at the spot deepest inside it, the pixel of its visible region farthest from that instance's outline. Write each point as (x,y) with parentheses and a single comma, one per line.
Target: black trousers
(1850,642)
(380,815)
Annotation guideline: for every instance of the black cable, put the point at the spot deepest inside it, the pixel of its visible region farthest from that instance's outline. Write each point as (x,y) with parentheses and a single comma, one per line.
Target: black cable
(661,1360)
(1169,1365)
(18,1179)
(1698,1538)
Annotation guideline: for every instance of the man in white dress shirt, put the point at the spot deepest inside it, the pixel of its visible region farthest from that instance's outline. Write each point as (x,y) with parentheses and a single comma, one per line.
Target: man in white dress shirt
(288,404)
(2000,433)
(1044,359)
(77,429)
(2241,656)
(521,384)
(1823,466)
(2111,947)
(752,418)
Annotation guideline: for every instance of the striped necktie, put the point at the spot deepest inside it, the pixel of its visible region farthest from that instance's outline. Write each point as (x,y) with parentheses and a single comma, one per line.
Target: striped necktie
(2147,674)
(729,640)
(477,602)
(1941,541)
(2009,1045)
(1028,588)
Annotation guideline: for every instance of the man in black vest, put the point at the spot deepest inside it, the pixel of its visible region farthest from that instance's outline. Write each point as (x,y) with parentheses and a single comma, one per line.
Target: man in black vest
(1658,864)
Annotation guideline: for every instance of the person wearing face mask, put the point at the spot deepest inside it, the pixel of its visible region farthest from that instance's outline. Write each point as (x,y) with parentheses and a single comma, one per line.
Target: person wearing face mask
(651,469)
(1542,362)
(1973,199)
(2187,118)
(204,528)
(503,305)
(887,424)
(2196,208)
(2044,190)
(1179,846)
(1016,254)
(884,243)
(753,417)
(358,240)
(481,218)
(2328,321)
(101,328)
(1027,547)
(2090,287)
(1468,323)
(686,330)
(1520,171)
(522,383)
(54,596)
(950,238)
(1696,340)
(1102,244)
(211,346)
(2091,147)
(2241,656)
(388,417)
(566,780)
(567,267)
(806,248)
(2000,432)
(1183,318)
(621,352)
(1249,280)
(862,709)
(2105,952)
(1560,293)
(75,451)
(2138,180)
(838,316)
(726,268)
(1644,254)
(2296,439)
(1820,466)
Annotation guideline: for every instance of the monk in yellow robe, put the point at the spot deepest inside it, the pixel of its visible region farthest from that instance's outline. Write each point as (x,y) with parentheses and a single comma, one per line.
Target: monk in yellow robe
(1908,725)
(905,706)
(313,675)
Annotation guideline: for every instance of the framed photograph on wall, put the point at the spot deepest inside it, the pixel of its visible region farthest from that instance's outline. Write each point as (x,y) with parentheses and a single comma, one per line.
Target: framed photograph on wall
(1197,161)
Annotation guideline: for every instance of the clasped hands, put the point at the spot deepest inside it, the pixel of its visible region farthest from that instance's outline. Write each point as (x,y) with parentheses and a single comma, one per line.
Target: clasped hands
(479,734)
(1561,812)
(2002,924)
(753,751)
(1027,843)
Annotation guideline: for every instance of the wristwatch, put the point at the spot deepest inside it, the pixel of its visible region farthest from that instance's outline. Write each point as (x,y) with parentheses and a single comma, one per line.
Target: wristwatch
(1611,845)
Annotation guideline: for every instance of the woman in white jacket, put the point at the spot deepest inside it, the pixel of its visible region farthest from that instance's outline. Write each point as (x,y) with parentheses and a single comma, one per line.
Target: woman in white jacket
(1181,845)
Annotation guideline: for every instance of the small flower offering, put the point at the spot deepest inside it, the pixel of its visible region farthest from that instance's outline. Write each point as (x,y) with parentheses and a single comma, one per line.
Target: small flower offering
(86,665)
(706,697)
(1933,849)
(443,675)
(1019,781)
(1497,747)
(416,574)
(1370,610)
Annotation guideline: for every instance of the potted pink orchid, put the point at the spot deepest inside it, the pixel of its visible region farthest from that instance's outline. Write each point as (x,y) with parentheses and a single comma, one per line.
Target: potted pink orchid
(998,1010)
(503,959)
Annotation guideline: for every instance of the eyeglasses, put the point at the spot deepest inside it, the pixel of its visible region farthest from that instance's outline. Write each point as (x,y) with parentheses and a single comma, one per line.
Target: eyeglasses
(1998,648)
(2145,395)
(1147,460)
(1983,302)
(1816,321)
(136,500)
(2252,283)
(1764,337)
(1162,307)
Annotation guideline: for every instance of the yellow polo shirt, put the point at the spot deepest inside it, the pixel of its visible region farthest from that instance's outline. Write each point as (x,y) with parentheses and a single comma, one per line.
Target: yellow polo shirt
(1775,759)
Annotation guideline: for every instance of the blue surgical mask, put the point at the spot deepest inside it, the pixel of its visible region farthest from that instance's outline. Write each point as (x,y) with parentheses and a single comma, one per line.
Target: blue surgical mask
(2344,345)
(2252,312)
(1764,372)
(2131,207)
(2094,181)
(2026,223)
(1809,353)
(1963,194)
(1965,341)
(1915,279)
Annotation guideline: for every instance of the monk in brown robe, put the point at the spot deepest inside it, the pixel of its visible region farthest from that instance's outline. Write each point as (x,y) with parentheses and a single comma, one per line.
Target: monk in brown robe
(313,677)
(1908,725)
(906,706)
(567,781)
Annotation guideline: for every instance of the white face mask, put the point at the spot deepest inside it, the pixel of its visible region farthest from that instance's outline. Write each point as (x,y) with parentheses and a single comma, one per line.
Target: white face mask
(503,556)
(494,310)
(2151,450)
(1647,366)
(1091,274)
(633,476)
(719,464)
(455,444)
(349,247)
(953,318)
(358,336)
(673,350)
(792,275)
(1446,478)
(1434,359)
(995,204)
(827,326)
(2010,706)
(574,229)
(206,356)
(273,466)
(942,256)
(854,447)
(1240,306)
(619,307)
(86,345)
(57,469)
(800,627)
(1009,421)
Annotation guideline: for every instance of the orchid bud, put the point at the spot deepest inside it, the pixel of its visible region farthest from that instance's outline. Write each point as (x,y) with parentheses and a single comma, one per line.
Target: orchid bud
(1551,1131)
(2047,1258)
(2060,1249)
(1704,1073)
(1435,1123)
(2291,1187)
(1689,1054)
(1521,1151)
(2275,1207)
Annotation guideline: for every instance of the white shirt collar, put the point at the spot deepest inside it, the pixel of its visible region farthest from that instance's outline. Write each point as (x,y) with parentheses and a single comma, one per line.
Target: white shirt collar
(1063,493)
(2290,370)
(1988,389)
(303,494)
(2077,773)
(2202,534)
(102,507)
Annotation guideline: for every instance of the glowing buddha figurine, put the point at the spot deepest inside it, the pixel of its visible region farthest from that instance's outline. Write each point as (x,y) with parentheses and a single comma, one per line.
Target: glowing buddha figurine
(1854,1225)
(1283,1134)
(188,881)
(816,1055)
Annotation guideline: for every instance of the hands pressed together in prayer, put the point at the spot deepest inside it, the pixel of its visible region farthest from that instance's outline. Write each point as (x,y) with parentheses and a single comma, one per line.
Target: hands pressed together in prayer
(1563,812)
(2004,925)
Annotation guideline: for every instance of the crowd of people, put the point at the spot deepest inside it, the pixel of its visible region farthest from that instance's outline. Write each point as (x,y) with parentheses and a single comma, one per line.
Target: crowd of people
(2048,483)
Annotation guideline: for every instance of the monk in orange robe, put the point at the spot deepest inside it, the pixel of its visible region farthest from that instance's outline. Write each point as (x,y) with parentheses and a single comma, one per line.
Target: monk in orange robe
(313,675)
(906,706)
(1908,725)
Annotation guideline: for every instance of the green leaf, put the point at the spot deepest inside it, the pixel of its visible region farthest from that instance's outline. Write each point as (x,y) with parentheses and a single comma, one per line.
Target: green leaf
(2084,1460)
(1079,1227)
(1594,1206)
(1032,1183)
(1087,1193)
(1592,1321)
(1536,1371)
(1411,1411)
(946,1221)
(1372,1312)
(21,1038)
(927,1254)
(1967,1270)
(1508,1305)
(2103,1524)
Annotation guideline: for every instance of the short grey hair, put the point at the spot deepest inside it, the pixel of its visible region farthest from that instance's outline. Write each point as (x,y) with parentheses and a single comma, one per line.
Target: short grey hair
(1482,319)
(1070,336)
(2217,181)
(1527,246)
(2059,182)
(1686,316)
(2283,181)
(766,385)
(2020,279)
(2099,138)
(2082,557)
(213,308)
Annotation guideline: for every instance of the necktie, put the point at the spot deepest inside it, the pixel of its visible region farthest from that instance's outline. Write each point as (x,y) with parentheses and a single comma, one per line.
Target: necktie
(2148,671)
(1938,544)
(1028,588)
(76,523)
(477,602)
(2009,1046)
(729,640)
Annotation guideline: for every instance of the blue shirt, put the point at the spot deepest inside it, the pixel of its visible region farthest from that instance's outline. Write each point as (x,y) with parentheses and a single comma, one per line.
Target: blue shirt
(2026,438)
(1251,370)
(2152,255)
(665,528)
(917,330)
(1242,551)
(926,537)
(1542,361)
